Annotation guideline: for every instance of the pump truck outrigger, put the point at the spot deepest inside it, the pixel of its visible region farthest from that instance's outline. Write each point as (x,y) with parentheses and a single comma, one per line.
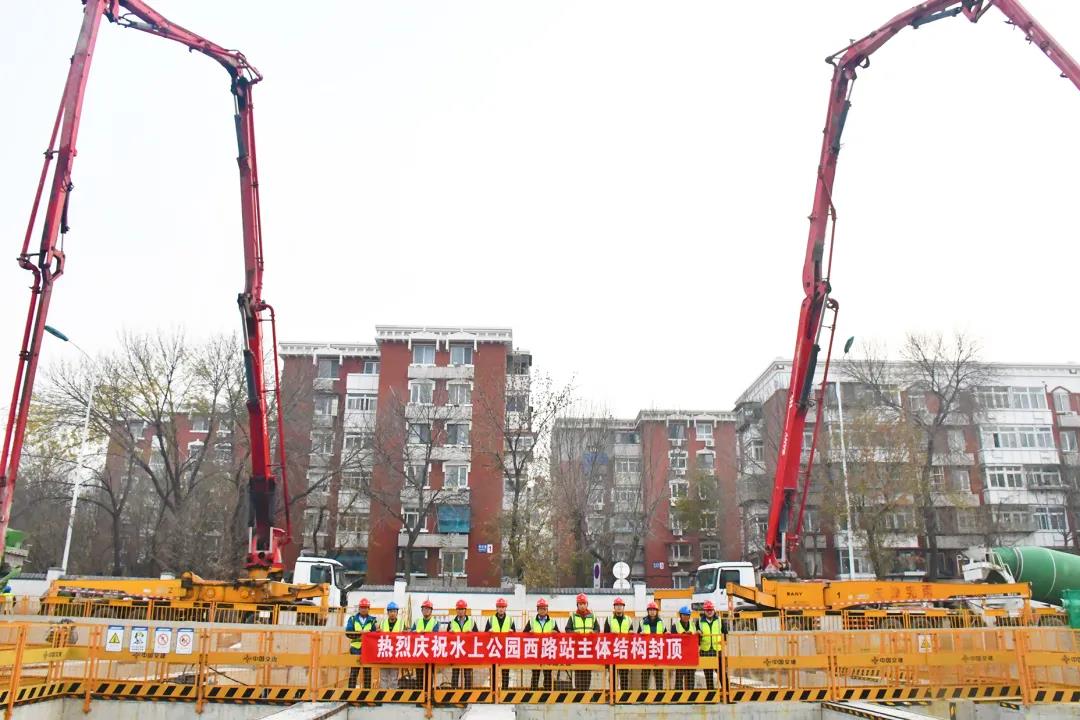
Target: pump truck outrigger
(740,581)
(264,559)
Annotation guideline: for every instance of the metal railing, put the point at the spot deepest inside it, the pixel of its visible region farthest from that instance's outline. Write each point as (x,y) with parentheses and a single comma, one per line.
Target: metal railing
(284,665)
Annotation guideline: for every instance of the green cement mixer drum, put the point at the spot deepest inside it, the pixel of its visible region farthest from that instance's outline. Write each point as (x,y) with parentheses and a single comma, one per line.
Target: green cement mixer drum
(1049,571)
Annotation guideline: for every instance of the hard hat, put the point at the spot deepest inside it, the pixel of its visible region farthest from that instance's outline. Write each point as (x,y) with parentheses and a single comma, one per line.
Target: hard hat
(708,605)
(581,598)
(684,610)
(501,602)
(652,606)
(461,604)
(618,601)
(426,604)
(541,603)
(391,606)
(365,603)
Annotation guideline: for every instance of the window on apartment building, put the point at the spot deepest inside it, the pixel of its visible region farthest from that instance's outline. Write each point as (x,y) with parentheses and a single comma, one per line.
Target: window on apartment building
(707,489)
(517,402)
(811,520)
(1035,436)
(993,397)
(622,524)
(676,431)
(627,438)
(454,518)
(418,564)
(703,430)
(1010,519)
(1027,398)
(456,477)
(807,441)
(460,393)
(759,525)
(680,581)
(322,443)
(755,450)
(352,523)
(329,367)
(917,400)
(710,552)
(679,488)
(862,564)
(457,433)
(418,475)
(1044,476)
(452,562)
(937,479)
(706,462)
(961,480)
(595,525)
(355,480)
(410,518)
(423,354)
(461,354)
(1068,441)
(314,522)
(355,442)
(366,402)
(420,433)
(1004,476)
(625,499)
(677,461)
(223,453)
(370,367)
(621,553)
(326,405)
(627,465)
(708,521)
(137,428)
(957,441)
(421,391)
(1049,517)
(967,520)
(1021,436)
(680,552)
(200,424)
(1061,401)
(900,520)
(813,563)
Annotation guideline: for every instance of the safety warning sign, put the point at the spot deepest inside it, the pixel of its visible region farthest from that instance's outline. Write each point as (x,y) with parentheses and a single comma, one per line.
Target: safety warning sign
(162,640)
(114,638)
(185,641)
(138,641)
(926,644)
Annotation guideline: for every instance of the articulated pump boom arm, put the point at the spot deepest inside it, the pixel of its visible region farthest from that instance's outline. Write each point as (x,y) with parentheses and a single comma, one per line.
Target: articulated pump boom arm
(785,510)
(47,263)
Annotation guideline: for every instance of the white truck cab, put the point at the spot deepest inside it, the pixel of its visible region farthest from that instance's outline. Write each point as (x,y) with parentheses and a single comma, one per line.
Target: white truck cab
(710,583)
(311,570)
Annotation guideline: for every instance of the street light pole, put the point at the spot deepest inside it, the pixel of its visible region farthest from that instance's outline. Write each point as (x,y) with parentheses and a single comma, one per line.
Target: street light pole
(843,468)
(80,459)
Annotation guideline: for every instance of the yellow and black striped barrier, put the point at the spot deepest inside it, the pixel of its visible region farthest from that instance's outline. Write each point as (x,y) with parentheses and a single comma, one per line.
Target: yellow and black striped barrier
(363,696)
(461,697)
(879,694)
(738,695)
(552,697)
(143,691)
(673,697)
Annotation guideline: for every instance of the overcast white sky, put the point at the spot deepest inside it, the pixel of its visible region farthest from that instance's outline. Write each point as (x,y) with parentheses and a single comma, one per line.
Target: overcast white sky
(624,183)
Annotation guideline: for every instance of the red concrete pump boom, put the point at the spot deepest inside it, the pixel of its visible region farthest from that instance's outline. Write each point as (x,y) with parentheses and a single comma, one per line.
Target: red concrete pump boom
(785,514)
(47,265)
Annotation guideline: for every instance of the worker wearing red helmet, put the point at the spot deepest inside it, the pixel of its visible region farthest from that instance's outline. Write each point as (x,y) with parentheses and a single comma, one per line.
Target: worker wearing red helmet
(461,623)
(651,624)
(541,624)
(424,624)
(582,621)
(355,627)
(619,623)
(500,622)
(711,629)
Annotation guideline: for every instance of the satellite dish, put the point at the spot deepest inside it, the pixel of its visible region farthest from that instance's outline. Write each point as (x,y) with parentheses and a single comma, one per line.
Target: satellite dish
(621,584)
(621,571)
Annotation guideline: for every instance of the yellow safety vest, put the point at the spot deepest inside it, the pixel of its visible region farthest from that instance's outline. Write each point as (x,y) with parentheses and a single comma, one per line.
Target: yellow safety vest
(583,624)
(505,623)
(358,624)
(466,626)
(711,636)
(384,626)
(421,626)
(647,629)
(620,625)
(547,626)
(678,627)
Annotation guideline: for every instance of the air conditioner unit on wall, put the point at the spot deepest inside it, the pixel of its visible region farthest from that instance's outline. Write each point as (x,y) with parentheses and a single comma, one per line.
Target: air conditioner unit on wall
(709,442)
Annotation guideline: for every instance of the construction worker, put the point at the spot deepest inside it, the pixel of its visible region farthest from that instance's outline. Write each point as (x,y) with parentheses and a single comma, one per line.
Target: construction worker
(461,622)
(424,624)
(619,623)
(392,623)
(500,622)
(684,678)
(711,629)
(651,624)
(7,601)
(582,621)
(355,627)
(541,624)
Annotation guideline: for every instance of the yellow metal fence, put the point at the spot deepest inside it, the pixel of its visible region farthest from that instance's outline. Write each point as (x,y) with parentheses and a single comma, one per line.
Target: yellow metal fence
(40,660)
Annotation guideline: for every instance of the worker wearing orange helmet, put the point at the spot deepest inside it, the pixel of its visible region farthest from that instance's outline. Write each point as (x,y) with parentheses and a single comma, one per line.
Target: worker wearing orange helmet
(500,622)
(651,624)
(711,629)
(355,627)
(582,621)
(424,624)
(541,624)
(619,623)
(461,623)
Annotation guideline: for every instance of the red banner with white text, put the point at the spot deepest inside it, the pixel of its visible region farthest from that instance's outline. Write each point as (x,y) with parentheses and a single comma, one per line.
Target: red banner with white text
(477,648)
